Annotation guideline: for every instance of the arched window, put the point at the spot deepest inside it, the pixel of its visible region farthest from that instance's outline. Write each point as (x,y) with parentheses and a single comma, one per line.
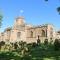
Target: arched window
(43,33)
(31,33)
(18,34)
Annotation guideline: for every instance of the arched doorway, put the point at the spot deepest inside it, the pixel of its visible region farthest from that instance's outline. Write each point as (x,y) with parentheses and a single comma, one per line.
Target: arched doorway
(43,33)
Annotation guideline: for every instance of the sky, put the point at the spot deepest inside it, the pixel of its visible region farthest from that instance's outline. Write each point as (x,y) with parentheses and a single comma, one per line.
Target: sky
(36,12)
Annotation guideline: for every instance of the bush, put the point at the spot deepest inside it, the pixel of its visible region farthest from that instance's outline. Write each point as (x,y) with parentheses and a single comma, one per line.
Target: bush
(38,42)
(2,43)
(51,41)
(34,44)
(56,44)
(46,42)
(15,45)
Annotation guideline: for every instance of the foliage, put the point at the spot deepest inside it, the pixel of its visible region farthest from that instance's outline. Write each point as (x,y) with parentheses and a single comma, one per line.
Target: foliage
(15,45)
(46,0)
(58,10)
(34,44)
(38,41)
(57,44)
(31,51)
(2,43)
(46,42)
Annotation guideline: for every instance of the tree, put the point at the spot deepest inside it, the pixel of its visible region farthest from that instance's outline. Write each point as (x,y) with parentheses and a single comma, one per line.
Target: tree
(56,44)
(2,43)
(34,44)
(58,8)
(38,41)
(46,42)
(15,45)
(51,41)
(46,0)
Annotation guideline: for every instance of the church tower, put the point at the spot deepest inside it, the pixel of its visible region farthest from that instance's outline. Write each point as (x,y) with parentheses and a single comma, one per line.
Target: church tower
(19,22)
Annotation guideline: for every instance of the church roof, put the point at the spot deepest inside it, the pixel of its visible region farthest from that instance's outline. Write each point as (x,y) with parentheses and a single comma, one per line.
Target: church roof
(8,29)
(20,17)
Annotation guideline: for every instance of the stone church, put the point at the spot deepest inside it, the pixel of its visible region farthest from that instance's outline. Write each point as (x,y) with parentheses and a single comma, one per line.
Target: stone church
(21,31)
